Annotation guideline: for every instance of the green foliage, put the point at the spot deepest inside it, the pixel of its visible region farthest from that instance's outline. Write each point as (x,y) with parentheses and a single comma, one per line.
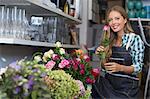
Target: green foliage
(65,86)
(87,95)
(3,95)
(105,42)
(102,55)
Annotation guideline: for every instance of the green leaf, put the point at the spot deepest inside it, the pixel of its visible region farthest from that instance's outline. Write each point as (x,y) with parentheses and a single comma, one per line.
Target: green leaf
(102,55)
(34,95)
(37,53)
(105,42)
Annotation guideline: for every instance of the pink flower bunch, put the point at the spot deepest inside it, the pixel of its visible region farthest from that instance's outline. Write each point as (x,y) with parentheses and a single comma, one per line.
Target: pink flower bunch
(63,63)
(76,64)
(81,68)
(56,58)
(50,64)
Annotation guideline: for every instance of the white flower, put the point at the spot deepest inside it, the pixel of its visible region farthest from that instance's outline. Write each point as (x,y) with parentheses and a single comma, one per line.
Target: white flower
(20,61)
(37,58)
(58,44)
(62,57)
(44,59)
(78,59)
(49,53)
(62,51)
(89,87)
(46,54)
(3,70)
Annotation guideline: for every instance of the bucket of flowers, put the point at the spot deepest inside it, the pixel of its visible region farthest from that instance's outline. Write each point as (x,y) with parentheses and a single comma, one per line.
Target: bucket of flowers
(54,74)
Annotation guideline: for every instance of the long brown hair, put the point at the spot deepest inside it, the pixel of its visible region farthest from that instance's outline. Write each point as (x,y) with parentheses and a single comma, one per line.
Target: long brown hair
(127,27)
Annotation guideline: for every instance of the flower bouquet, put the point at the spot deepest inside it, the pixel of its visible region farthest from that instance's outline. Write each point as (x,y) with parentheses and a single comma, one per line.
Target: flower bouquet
(54,74)
(81,68)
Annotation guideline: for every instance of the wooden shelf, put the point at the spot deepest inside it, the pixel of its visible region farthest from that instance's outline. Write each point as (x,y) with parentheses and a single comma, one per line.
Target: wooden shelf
(13,41)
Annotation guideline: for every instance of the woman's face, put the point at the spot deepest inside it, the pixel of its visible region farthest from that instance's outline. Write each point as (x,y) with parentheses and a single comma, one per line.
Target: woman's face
(116,21)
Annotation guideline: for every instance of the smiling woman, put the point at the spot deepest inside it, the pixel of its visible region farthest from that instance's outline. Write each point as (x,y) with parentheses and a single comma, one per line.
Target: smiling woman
(121,76)
(116,21)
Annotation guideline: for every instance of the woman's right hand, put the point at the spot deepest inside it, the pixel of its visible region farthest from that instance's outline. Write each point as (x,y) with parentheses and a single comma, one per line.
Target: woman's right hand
(99,49)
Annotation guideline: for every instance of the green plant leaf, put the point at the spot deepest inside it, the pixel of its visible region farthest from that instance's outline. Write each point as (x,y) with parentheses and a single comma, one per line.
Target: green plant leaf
(34,94)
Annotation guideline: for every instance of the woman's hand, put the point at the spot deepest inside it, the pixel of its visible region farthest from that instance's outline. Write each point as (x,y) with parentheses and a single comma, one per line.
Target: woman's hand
(99,49)
(113,67)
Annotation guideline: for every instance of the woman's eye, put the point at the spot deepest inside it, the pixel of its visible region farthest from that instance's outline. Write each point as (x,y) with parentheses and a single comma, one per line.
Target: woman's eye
(117,18)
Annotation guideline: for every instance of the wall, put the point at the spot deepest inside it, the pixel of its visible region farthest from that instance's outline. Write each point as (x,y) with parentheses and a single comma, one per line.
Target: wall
(83,27)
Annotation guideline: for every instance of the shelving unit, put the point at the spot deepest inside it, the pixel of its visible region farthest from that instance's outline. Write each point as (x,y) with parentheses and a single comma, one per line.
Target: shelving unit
(12,41)
(55,11)
(39,8)
(12,49)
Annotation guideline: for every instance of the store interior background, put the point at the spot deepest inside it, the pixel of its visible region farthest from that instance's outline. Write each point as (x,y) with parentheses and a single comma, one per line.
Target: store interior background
(94,38)
(89,31)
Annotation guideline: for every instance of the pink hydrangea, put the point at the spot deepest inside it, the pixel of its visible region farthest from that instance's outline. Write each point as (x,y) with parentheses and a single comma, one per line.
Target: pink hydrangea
(81,86)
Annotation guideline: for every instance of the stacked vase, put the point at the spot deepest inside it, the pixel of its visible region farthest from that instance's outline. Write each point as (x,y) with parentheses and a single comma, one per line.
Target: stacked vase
(147,9)
(136,9)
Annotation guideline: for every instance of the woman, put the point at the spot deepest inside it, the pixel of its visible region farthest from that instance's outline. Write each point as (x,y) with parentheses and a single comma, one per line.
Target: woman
(124,59)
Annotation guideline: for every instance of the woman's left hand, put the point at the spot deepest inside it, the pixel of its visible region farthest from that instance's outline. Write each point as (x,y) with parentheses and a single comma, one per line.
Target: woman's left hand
(113,67)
